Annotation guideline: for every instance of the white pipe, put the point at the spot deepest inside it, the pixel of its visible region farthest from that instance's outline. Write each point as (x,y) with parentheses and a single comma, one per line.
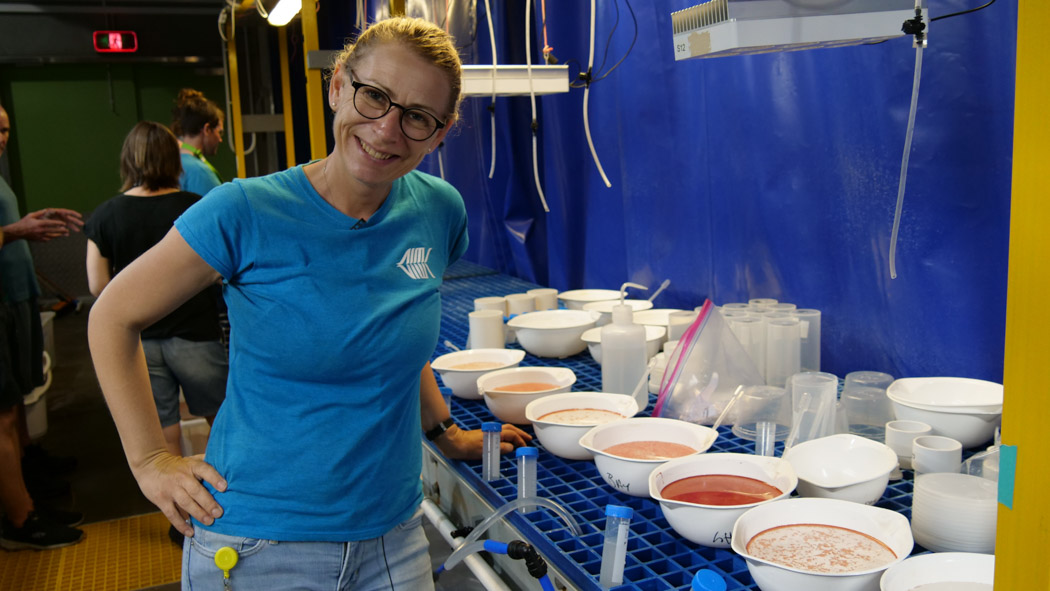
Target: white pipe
(586,96)
(492,112)
(532,97)
(484,573)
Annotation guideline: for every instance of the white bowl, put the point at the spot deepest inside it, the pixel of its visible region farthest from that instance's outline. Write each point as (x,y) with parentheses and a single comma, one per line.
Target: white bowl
(948,394)
(509,407)
(563,440)
(604,307)
(553,333)
(576,298)
(712,525)
(889,527)
(843,466)
(969,429)
(949,569)
(464,382)
(654,336)
(631,476)
(655,316)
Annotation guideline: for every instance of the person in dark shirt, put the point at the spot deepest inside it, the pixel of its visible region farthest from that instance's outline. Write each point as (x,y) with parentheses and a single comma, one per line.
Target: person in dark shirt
(183,350)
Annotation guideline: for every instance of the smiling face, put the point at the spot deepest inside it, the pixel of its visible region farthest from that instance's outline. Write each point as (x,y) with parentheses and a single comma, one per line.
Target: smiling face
(375,152)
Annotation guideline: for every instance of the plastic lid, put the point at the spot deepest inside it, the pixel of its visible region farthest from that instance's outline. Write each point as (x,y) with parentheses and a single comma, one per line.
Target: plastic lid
(527,452)
(623,314)
(708,580)
(491,427)
(618,511)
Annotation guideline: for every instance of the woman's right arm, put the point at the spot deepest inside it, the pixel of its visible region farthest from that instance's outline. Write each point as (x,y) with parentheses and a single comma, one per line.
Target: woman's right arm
(145,291)
(97,269)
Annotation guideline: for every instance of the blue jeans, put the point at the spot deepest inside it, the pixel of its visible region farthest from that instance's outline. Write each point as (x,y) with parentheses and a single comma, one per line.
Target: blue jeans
(399,559)
(199,367)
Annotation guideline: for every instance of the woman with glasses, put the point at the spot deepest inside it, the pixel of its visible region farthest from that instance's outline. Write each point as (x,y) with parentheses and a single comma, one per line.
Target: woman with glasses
(331,273)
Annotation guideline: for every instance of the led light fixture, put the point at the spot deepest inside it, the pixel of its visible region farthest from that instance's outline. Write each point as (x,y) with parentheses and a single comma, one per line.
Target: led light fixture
(284,12)
(739,27)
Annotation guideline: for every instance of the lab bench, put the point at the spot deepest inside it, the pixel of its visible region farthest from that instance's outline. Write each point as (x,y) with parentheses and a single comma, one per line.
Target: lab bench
(657,557)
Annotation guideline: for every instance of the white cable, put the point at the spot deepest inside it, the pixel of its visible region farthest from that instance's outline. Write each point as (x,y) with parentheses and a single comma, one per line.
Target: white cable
(492,108)
(477,565)
(532,97)
(586,96)
(904,162)
(441,162)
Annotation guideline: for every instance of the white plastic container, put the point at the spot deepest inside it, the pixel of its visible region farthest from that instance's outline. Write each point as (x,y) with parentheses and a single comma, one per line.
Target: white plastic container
(624,358)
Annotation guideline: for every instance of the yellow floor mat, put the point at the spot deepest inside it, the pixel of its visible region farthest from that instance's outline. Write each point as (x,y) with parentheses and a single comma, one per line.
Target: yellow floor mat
(119,555)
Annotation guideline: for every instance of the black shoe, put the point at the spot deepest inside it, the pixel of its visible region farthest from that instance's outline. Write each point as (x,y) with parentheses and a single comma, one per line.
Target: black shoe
(176,536)
(44,487)
(61,516)
(38,533)
(37,459)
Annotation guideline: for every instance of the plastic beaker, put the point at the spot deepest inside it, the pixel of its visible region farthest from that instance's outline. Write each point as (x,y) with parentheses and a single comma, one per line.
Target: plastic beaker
(814,396)
(867,411)
(751,332)
(762,414)
(809,341)
(867,379)
(783,339)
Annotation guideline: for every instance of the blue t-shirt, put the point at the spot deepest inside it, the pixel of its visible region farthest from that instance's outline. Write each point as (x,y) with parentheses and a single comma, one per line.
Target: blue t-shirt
(17,274)
(331,326)
(197,177)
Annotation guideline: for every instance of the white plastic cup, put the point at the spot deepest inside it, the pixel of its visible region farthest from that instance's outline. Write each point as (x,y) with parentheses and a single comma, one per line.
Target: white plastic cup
(809,338)
(760,303)
(935,453)
(901,434)
(486,329)
(678,323)
(520,303)
(814,397)
(544,298)
(491,303)
(783,339)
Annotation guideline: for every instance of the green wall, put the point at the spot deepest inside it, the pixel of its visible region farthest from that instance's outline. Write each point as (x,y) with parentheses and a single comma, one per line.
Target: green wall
(69,122)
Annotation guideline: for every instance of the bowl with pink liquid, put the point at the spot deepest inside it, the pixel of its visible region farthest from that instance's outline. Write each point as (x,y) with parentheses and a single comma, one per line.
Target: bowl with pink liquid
(559,420)
(627,451)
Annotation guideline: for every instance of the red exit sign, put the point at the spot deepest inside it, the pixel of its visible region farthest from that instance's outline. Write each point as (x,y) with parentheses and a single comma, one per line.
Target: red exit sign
(116,41)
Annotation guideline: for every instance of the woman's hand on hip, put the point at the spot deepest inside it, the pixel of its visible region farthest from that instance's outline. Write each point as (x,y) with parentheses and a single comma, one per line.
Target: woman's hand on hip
(173,484)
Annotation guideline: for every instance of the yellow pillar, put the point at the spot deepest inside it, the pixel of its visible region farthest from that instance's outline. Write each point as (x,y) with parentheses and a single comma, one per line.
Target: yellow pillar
(1023,535)
(315,97)
(236,127)
(286,97)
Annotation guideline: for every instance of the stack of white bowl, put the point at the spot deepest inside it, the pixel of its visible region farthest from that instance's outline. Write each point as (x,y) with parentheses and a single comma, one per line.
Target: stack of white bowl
(954,512)
(964,409)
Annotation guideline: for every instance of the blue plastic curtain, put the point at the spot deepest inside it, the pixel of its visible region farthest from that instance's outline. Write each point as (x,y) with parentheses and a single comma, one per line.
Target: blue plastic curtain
(762,176)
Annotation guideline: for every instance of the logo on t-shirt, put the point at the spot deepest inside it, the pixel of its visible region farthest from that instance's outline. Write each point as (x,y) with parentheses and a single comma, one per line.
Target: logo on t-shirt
(414,263)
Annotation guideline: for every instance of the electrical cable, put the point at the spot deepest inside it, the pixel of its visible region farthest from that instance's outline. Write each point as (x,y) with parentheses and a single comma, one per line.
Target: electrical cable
(532,98)
(492,104)
(986,5)
(629,48)
(586,98)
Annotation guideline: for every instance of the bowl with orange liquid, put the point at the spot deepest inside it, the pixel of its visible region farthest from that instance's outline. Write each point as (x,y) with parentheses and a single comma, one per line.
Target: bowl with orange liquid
(702,496)
(559,420)
(460,370)
(508,391)
(627,451)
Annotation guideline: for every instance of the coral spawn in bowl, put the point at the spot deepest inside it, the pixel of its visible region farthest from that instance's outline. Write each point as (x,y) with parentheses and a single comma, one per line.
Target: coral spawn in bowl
(650,450)
(720,490)
(525,387)
(820,548)
(581,416)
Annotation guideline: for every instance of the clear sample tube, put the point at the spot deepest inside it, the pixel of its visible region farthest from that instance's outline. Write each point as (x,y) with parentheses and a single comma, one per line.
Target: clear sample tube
(809,345)
(490,433)
(614,550)
(526,473)
(765,438)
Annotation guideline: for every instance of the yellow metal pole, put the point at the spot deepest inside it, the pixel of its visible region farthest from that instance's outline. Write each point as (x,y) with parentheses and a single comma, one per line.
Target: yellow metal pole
(397,7)
(286,97)
(1023,534)
(315,97)
(235,98)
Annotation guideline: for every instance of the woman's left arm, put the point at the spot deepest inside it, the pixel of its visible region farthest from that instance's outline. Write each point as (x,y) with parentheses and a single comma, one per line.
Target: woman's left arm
(457,443)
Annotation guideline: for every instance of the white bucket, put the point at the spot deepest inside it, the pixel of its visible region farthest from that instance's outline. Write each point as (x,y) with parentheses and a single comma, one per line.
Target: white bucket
(36,404)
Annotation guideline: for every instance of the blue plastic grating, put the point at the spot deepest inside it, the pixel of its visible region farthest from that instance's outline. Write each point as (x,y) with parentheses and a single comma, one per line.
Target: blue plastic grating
(658,558)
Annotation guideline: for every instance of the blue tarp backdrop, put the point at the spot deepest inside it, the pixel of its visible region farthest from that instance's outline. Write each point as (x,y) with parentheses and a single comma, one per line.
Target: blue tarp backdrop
(762,176)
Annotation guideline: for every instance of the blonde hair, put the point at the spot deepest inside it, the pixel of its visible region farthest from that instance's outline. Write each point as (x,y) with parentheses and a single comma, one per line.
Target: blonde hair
(150,158)
(425,38)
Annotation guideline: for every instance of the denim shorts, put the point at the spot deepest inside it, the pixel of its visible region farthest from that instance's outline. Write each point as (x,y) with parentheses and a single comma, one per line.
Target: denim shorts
(399,559)
(200,368)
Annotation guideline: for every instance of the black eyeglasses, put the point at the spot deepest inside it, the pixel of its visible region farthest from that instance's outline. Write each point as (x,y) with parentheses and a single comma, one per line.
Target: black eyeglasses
(373,103)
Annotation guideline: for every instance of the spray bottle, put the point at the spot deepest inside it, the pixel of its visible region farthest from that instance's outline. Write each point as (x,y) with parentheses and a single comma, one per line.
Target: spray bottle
(623,348)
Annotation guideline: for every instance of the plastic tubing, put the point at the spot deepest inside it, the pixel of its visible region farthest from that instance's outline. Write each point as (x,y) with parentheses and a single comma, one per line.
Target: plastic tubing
(461,552)
(904,162)
(545,583)
(586,97)
(492,111)
(532,97)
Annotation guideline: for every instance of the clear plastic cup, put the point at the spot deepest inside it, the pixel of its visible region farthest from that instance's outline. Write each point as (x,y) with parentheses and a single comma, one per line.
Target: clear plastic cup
(814,396)
(809,341)
(783,339)
(762,414)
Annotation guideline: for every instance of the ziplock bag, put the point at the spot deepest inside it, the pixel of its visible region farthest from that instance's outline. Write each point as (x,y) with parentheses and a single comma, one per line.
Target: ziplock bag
(704,371)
